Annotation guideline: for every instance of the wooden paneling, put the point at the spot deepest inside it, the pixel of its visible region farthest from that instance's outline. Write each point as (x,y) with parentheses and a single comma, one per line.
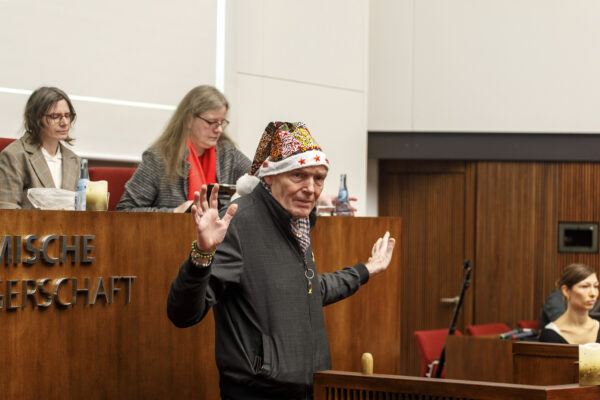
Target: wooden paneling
(131,350)
(101,351)
(511,212)
(545,363)
(433,203)
(423,167)
(519,206)
(515,233)
(479,358)
(370,320)
(578,201)
(469,235)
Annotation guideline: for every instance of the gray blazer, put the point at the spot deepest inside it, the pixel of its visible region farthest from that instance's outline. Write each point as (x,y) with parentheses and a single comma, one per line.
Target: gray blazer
(151,190)
(23,166)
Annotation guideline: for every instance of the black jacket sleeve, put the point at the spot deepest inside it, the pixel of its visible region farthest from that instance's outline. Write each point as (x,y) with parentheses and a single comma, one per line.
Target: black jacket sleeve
(186,304)
(196,289)
(343,283)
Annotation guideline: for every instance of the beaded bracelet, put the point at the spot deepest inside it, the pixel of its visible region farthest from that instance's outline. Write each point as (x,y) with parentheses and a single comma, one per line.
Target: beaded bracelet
(201,258)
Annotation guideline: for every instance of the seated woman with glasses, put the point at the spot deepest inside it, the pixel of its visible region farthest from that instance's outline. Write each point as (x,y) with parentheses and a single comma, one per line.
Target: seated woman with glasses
(192,151)
(39,159)
(579,287)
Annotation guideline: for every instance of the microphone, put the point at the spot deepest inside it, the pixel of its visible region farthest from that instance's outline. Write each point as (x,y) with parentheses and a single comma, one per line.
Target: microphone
(508,335)
(525,334)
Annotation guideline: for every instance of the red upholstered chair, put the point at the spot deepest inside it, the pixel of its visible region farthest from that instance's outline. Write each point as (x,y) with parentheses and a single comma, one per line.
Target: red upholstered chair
(487,329)
(116,177)
(431,343)
(5,142)
(535,324)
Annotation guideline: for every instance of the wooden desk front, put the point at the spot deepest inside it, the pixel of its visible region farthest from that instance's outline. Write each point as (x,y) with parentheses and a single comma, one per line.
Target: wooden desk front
(129,350)
(337,385)
(479,358)
(545,363)
(490,359)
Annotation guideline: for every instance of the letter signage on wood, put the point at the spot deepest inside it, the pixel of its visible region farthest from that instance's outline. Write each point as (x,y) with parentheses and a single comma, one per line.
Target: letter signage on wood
(56,251)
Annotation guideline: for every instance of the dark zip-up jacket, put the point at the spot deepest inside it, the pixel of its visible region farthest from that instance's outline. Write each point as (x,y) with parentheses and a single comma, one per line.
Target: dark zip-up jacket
(270,331)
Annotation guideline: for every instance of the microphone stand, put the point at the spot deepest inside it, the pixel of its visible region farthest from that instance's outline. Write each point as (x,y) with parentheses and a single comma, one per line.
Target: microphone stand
(465,285)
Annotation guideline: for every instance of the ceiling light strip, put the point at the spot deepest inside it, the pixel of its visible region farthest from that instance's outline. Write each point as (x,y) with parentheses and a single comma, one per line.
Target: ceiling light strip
(100,100)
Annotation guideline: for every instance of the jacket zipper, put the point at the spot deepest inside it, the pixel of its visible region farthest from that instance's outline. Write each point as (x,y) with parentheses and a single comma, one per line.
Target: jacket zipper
(310,316)
(308,299)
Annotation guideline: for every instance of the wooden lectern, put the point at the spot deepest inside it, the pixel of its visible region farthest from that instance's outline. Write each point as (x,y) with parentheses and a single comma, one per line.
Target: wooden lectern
(114,340)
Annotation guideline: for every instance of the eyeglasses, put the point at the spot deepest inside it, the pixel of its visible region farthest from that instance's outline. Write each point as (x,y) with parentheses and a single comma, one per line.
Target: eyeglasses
(55,118)
(213,124)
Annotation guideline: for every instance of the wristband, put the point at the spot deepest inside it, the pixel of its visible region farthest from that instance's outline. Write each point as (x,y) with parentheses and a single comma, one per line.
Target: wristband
(201,258)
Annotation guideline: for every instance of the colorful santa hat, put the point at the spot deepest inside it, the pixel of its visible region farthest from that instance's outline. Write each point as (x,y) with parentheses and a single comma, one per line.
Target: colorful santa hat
(285,146)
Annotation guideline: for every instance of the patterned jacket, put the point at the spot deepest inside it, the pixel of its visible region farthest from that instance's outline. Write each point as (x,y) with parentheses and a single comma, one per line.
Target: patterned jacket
(151,190)
(23,166)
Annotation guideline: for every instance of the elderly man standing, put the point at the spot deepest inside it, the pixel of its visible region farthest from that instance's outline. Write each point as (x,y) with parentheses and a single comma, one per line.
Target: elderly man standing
(258,273)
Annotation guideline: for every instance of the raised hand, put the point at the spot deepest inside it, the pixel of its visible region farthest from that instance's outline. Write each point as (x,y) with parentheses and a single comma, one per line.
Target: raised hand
(381,254)
(329,200)
(210,229)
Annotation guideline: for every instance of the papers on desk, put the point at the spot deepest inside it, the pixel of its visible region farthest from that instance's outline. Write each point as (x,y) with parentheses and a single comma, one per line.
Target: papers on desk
(61,199)
(51,198)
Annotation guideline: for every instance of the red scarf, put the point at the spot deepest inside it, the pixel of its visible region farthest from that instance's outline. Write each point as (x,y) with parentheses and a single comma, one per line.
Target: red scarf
(203,169)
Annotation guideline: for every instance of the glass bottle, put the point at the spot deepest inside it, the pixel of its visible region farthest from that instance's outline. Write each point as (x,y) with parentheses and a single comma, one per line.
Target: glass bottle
(342,206)
(84,178)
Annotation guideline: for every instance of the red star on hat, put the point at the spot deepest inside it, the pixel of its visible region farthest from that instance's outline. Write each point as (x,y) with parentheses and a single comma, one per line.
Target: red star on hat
(302,161)
(317,158)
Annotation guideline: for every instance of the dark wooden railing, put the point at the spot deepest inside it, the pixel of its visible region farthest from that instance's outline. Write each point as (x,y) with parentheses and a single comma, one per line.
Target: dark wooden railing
(336,385)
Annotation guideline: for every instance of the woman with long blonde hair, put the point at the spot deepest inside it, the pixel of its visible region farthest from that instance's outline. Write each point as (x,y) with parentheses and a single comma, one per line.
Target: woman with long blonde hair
(192,151)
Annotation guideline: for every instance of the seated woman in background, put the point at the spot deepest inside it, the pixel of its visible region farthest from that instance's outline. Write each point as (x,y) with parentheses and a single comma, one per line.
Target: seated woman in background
(579,286)
(192,151)
(555,305)
(39,159)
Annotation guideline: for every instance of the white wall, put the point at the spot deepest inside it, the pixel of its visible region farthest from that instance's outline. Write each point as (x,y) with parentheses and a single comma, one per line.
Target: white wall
(390,72)
(485,66)
(285,60)
(523,66)
(341,66)
(135,51)
(390,95)
(302,61)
